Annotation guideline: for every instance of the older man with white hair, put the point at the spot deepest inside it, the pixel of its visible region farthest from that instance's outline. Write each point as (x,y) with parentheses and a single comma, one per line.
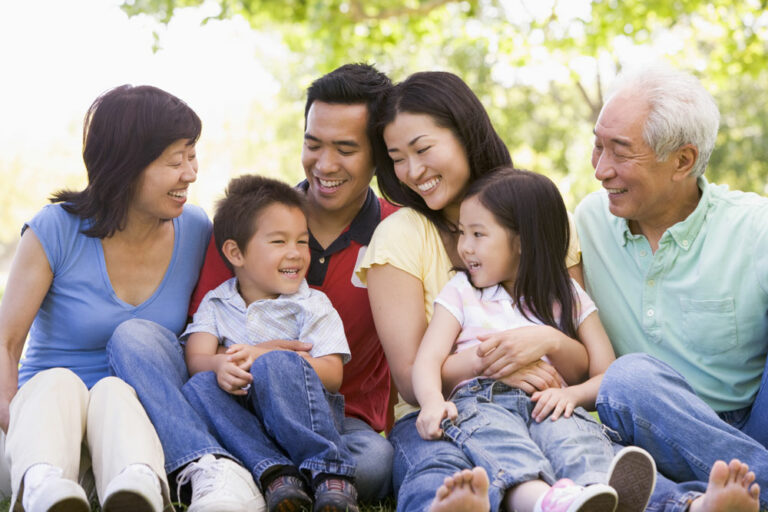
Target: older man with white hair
(679,269)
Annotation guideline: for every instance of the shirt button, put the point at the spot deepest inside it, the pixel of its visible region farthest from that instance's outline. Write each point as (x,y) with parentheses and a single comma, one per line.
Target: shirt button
(651,282)
(322,260)
(643,254)
(685,243)
(650,312)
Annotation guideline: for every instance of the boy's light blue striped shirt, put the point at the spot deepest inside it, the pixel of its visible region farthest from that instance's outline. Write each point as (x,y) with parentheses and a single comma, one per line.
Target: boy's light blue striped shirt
(306,315)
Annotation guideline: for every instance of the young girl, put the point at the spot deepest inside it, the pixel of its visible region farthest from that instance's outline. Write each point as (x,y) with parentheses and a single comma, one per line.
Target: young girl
(513,238)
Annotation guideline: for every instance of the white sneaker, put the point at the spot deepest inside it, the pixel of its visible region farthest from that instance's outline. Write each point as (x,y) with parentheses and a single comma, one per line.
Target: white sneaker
(135,489)
(220,485)
(566,496)
(46,489)
(633,475)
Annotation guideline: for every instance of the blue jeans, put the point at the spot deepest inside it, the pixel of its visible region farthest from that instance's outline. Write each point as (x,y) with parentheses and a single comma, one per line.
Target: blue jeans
(149,357)
(420,466)
(373,457)
(650,405)
(286,419)
(494,430)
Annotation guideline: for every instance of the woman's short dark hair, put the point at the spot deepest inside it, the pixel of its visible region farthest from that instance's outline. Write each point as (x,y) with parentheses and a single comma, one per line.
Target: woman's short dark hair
(244,199)
(451,104)
(530,205)
(126,129)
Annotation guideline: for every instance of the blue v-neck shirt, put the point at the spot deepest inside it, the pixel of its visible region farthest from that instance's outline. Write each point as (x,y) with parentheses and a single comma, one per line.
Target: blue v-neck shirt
(81,310)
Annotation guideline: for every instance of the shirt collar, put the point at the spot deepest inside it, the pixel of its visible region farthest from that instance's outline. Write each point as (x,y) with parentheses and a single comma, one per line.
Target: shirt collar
(227,291)
(360,229)
(495,293)
(684,232)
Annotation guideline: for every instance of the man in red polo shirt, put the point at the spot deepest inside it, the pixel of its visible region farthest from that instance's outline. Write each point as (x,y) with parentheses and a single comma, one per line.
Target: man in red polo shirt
(342,213)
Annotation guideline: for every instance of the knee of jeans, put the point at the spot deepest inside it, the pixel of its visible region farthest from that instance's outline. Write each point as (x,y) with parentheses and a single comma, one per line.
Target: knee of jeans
(275,365)
(200,381)
(627,374)
(138,340)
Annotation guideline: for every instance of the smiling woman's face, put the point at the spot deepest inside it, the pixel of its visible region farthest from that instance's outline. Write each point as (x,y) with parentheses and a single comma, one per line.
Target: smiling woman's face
(161,189)
(429,159)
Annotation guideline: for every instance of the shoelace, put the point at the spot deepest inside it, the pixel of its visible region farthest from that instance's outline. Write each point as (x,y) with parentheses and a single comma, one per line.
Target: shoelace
(213,477)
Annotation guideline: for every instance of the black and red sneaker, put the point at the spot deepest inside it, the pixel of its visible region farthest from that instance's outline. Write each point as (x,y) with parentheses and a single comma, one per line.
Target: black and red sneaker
(286,493)
(335,495)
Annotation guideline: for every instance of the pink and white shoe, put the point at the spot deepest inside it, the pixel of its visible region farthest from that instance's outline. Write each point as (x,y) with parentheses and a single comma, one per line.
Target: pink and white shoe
(566,496)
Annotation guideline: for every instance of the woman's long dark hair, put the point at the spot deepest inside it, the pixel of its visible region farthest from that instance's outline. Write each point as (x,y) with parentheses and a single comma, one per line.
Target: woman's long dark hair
(530,205)
(451,104)
(126,129)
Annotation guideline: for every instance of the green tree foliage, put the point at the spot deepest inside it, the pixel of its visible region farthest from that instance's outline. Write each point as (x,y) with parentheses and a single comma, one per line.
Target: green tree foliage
(540,66)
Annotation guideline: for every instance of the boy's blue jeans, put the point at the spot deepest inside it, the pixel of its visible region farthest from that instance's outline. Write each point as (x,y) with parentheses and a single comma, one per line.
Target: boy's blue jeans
(150,358)
(495,430)
(651,405)
(286,419)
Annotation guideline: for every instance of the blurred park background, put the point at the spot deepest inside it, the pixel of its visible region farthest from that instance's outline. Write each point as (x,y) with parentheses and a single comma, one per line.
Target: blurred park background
(541,67)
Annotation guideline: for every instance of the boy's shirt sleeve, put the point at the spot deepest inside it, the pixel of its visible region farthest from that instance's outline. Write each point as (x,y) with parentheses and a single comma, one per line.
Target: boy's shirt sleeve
(322,326)
(204,319)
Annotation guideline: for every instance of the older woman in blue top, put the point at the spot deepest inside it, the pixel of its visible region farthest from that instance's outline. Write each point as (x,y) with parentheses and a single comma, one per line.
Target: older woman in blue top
(124,247)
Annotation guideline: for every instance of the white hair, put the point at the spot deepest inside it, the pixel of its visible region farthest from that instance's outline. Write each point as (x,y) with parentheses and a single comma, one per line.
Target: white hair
(681,111)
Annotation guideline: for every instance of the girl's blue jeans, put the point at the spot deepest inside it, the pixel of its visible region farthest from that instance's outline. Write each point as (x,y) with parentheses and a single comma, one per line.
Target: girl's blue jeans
(648,404)
(494,430)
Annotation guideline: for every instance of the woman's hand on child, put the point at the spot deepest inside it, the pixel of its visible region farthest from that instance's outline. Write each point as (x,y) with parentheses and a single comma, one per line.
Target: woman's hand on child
(557,401)
(537,376)
(232,379)
(505,352)
(431,416)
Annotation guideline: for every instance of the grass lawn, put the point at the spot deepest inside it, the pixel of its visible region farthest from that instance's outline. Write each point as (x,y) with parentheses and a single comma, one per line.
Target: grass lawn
(388,506)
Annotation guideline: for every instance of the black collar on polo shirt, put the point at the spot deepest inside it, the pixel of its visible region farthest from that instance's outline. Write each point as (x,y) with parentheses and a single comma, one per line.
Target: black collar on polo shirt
(360,230)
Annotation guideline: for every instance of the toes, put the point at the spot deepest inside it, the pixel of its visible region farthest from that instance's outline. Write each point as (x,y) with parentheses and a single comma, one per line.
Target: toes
(442,492)
(719,474)
(480,481)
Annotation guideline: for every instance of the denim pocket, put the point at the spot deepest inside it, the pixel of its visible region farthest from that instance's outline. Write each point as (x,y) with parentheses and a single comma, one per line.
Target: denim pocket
(470,417)
(709,326)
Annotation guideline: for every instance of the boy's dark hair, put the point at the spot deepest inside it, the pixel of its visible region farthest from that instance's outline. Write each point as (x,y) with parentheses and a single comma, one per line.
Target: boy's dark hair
(238,211)
(451,104)
(530,205)
(126,129)
(351,84)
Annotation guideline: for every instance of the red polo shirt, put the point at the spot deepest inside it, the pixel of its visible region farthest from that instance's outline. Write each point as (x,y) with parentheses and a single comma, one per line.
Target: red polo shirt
(366,383)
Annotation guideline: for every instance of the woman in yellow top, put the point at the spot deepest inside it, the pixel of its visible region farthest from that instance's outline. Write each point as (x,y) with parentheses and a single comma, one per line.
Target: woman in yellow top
(435,140)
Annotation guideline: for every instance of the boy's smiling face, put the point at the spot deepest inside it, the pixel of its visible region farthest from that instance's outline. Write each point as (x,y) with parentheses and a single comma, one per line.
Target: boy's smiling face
(276,258)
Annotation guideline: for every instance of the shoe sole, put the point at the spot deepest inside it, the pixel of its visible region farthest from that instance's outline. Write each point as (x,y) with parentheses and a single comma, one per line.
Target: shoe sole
(633,475)
(127,502)
(70,505)
(292,505)
(599,503)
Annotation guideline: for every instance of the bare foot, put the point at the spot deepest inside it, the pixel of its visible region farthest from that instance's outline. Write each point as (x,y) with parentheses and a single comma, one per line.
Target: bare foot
(730,488)
(465,491)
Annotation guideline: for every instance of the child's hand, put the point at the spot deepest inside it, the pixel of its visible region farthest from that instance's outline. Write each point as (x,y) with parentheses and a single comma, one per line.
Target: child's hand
(430,417)
(558,401)
(243,355)
(232,379)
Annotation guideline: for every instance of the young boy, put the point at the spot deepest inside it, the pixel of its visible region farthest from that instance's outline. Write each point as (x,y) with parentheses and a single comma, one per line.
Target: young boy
(278,411)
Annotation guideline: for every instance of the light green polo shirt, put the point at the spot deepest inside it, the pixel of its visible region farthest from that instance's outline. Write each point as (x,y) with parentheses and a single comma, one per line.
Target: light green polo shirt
(699,303)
